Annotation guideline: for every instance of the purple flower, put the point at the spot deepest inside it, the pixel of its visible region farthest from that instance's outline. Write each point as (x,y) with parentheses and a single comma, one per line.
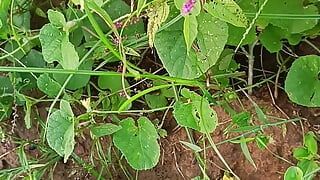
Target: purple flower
(187,7)
(118,24)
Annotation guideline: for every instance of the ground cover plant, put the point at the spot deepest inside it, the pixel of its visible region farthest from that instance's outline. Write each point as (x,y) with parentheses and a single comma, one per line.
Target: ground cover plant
(105,89)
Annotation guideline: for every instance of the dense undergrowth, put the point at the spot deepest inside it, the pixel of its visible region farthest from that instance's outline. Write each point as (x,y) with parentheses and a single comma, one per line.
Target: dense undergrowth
(88,63)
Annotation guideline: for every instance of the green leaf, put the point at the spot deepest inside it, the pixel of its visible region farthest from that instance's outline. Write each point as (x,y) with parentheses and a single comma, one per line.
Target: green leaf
(261,115)
(6,102)
(293,173)
(236,34)
(241,119)
(56,18)
(190,30)
(301,153)
(51,39)
(138,143)
(66,107)
(68,142)
(197,114)
(27,116)
(291,7)
(246,152)
(77,81)
(104,129)
(311,143)
(308,166)
(228,11)
(212,37)
(47,85)
(302,83)
(193,147)
(70,58)
(172,49)
(113,83)
(156,101)
(271,37)
(58,130)
(6,85)
(262,141)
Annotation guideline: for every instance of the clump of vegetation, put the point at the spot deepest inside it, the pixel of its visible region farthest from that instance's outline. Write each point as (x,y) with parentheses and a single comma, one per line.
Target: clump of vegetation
(85,64)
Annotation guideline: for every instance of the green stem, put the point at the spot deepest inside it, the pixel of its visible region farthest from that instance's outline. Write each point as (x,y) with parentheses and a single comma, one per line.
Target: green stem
(97,28)
(142,93)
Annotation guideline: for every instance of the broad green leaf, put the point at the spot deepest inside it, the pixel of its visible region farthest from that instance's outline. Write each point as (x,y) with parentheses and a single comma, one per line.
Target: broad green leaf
(113,83)
(56,18)
(21,20)
(104,129)
(6,85)
(70,58)
(236,34)
(33,59)
(156,101)
(212,37)
(68,142)
(47,85)
(302,83)
(193,147)
(4,6)
(172,49)
(246,152)
(308,166)
(190,30)
(66,107)
(197,114)
(77,81)
(138,143)
(51,39)
(311,143)
(291,7)
(228,11)
(271,37)
(301,153)
(157,14)
(58,125)
(293,173)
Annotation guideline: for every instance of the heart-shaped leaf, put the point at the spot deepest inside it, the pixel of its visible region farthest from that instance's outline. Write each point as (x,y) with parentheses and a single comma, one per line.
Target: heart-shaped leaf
(51,39)
(138,143)
(172,49)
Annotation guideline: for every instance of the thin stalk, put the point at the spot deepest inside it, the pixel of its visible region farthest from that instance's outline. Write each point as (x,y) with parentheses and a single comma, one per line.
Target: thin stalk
(251,65)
